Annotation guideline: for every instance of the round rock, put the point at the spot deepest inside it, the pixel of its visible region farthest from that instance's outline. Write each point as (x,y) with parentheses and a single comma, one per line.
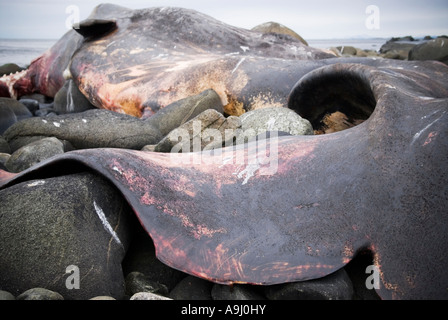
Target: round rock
(11,111)
(284,120)
(67,234)
(70,100)
(34,153)
(90,129)
(179,112)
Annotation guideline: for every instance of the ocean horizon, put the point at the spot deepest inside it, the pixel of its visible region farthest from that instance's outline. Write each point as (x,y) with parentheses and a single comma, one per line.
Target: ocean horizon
(23,51)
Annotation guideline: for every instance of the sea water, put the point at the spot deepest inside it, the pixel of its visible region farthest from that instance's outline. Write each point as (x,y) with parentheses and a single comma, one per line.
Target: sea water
(22,51)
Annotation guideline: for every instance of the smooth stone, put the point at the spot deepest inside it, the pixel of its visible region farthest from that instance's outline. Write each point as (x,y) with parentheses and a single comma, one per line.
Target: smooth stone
(12,111)
(349,50)
(192,288)
(336,286)
(148,296)
(47,226)
(40,294)
(260,121)
(177,113)
(70,100)
(436,49)
(404,44)
(9,68)
(102,298)
(5,295)
(90,129)
(33,153)
(275,27)
(19,109)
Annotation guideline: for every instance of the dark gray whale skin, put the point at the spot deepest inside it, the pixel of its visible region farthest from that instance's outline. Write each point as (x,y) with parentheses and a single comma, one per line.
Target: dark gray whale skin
(301,207)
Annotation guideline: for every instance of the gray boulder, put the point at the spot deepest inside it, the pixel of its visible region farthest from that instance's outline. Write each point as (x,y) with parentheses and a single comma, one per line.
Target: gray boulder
(179,112)
(33,153)
(336,286)
(275,27)
(9,68)
(70,100)
(90,129)
(347,50)
(436,49)
(67,234)
(12,111)
(260,121)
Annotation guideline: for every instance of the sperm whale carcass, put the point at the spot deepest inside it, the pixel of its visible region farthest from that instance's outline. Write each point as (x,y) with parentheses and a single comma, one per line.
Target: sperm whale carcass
(138,61)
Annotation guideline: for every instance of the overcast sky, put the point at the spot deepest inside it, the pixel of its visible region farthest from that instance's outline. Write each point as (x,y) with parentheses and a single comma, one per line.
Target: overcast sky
(312,19)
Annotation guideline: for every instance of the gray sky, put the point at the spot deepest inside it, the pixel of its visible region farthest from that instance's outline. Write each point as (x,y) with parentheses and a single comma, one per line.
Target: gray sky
(312,19)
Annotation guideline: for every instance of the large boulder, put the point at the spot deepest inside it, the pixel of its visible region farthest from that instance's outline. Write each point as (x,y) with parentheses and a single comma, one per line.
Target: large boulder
(96,128)
(9,68)
(181,111)
(12,111)
(70,100)
(67,234)
(436,49)
(398,48)
(275,27)
(260,121)
(33,153)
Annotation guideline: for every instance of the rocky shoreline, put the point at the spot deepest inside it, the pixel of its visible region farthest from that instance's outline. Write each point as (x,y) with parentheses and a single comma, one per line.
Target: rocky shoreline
(124,265)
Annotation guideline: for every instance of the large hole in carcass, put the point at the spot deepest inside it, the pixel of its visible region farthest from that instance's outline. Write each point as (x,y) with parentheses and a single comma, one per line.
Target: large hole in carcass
(333,99)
